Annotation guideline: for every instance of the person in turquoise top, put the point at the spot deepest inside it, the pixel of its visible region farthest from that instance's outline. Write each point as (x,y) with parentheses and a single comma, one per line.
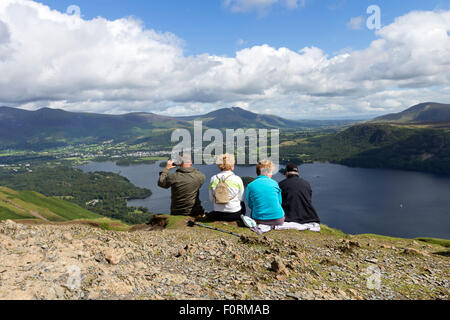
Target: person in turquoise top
(264,196)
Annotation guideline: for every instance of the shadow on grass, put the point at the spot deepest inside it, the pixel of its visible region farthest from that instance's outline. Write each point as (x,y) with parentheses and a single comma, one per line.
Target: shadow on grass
(443,253)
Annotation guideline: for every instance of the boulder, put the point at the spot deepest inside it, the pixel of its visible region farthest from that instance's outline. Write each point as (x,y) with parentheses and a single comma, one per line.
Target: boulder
(113,258)
(279,267)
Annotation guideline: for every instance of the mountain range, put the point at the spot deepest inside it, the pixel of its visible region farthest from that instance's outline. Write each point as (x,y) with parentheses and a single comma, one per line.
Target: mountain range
(46,127)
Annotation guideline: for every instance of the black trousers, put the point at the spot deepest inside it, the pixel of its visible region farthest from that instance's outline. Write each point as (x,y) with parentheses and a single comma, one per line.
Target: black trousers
(227,216)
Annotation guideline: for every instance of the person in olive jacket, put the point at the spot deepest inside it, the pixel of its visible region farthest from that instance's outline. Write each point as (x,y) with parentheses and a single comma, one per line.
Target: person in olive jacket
(296,196)
(185,184)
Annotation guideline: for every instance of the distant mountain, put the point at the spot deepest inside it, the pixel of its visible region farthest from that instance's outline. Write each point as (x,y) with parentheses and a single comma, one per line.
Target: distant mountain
(234,118)
(80,123)
(421,113)
(46,128)
(51,127)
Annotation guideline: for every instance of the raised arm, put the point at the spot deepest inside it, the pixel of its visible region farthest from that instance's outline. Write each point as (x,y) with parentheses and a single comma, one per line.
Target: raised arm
(165,179)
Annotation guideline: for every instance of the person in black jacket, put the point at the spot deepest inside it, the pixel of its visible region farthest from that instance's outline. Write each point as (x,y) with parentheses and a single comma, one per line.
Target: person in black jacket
(297,198)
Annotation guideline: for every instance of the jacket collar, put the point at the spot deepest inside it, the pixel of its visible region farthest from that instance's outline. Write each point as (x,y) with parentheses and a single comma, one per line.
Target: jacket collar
(186,169)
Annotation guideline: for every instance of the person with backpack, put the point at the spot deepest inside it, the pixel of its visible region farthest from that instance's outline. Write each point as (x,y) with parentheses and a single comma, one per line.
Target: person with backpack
(226,192)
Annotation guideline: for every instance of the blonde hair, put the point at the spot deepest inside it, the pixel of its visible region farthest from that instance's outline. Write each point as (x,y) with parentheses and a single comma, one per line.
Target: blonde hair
(265,168)
(226,162)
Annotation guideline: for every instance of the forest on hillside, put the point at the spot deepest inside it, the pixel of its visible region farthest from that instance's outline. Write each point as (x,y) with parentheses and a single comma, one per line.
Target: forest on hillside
(104,193)
(376,146)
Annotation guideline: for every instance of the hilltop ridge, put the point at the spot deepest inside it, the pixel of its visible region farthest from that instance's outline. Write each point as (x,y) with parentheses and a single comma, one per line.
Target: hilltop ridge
(427,112)
(234,118)
(46,128)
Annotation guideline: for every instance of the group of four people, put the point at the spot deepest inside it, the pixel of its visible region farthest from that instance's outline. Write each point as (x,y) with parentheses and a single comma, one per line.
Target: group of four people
(271,203)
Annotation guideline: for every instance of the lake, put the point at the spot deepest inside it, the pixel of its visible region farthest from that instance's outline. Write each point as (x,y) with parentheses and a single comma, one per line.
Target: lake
(354,200)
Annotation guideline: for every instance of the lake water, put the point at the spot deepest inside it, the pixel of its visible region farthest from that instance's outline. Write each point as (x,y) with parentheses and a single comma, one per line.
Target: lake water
(354,200)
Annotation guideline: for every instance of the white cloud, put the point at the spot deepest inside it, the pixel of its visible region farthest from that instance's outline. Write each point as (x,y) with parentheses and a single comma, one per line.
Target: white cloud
(356,23)
(48,58)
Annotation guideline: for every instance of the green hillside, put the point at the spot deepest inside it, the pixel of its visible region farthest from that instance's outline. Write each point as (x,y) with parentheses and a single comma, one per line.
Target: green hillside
(103,193)
(49,128)
(428,112)
(17,205)
(416,139)
(377,146)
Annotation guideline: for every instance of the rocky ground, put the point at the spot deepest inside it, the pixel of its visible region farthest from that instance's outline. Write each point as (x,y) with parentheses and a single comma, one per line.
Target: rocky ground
(83,262)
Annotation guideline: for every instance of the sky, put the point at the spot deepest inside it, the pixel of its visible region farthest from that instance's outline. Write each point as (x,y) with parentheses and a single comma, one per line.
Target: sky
(301,59)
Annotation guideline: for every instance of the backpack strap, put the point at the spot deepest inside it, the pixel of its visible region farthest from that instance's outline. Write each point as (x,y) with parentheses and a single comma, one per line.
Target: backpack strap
(234,196)
(228,177)
(226,180)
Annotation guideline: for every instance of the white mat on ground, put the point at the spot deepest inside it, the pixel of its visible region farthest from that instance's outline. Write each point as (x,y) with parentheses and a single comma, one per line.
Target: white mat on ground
(300,227)
(261,228)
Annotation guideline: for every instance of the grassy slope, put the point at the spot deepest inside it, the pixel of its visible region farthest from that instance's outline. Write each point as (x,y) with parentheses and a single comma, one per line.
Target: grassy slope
(425,112)
(179,222)
(32,205)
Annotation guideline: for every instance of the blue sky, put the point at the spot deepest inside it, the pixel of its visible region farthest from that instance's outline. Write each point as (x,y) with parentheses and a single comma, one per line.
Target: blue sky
(303,59)
(207,26)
